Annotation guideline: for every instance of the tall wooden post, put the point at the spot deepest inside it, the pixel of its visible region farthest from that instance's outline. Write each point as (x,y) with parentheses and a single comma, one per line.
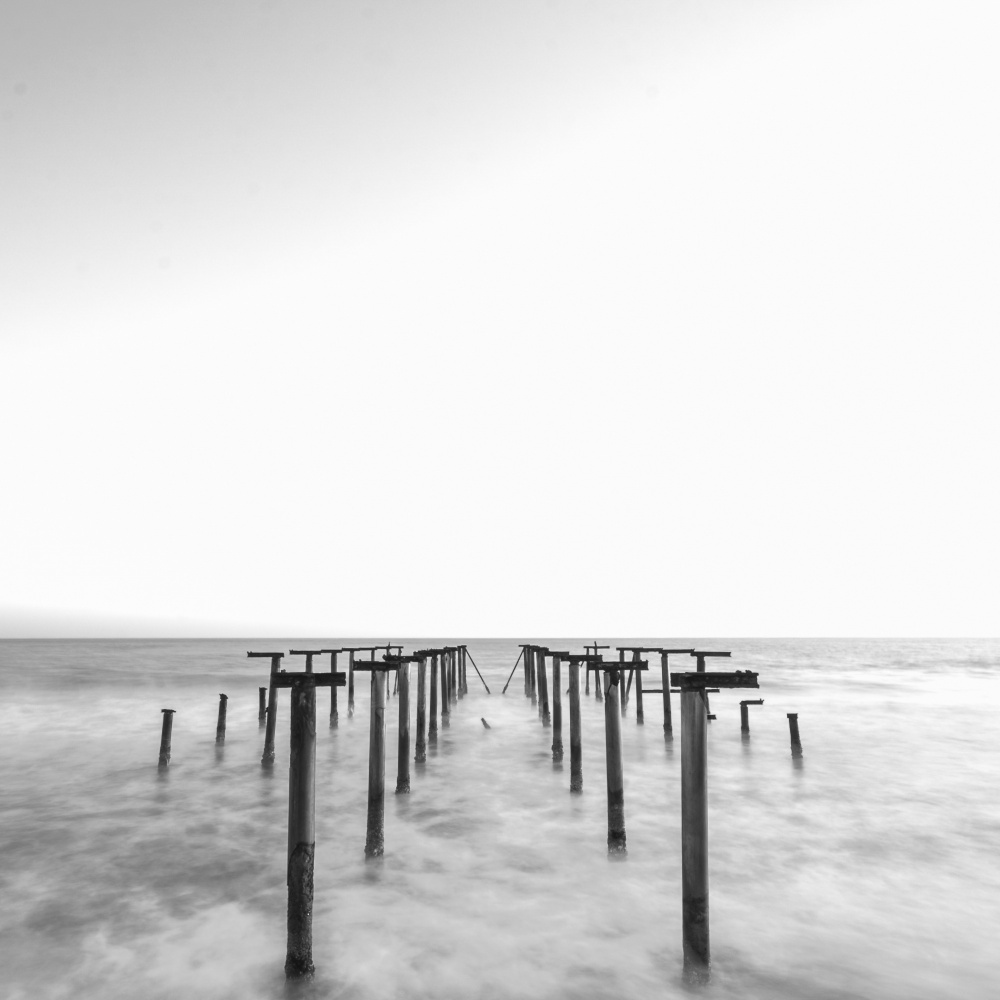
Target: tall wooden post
(615,763)
(598,687)
(375,837)
(622,693)
(575,746)
(694,829)
(262,714)
(543,689)
(668,724)
(445,694)
(638,692)
(165,735)
(267,758)
(527,671)
(453,676)
(421,754)
(301,826)
(533,676)
(350,683)
(334,715)
(220,726)
(557,742)
(403,762)
(432,733)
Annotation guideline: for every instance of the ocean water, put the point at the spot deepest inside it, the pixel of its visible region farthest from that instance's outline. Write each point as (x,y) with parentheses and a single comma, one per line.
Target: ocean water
(867,868)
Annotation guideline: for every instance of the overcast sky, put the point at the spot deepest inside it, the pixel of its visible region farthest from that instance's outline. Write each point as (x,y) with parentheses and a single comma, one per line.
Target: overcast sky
(600,317)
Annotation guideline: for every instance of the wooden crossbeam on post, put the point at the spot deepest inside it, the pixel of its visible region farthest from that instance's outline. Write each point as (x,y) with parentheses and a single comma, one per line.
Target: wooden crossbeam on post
(694,809)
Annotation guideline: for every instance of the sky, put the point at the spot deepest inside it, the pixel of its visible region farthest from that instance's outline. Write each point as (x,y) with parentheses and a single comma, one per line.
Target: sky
(464,318)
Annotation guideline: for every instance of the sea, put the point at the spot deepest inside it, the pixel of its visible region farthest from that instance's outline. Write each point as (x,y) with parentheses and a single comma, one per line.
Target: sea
(867,867)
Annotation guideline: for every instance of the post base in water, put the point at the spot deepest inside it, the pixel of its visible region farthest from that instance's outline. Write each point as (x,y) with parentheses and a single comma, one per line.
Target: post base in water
(374,846)
(403,787)
(616,843)
(298,957)
(576,783)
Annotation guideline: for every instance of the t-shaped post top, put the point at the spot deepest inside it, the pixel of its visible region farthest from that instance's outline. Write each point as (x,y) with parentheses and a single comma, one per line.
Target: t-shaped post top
(701,654)
(308,654)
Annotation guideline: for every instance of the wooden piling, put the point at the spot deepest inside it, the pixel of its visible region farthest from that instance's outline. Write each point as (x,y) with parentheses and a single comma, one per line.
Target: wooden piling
(301,827)
(557,741)
(638,694)
(543,689)
(267,758)
(694,830)
(374,840)
(526,652)
(334,715)
(533,676)
(421,754)
(262,713)
(445,690)
(432,733)
(453,677)
(350,683)
(793,733)
(668,724)
(622,692)
(220,726)
(403,762)
(165,734)
(615,762)
(575,746)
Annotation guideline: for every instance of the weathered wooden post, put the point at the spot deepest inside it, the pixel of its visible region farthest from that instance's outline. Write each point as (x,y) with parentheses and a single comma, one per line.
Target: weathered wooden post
(668,725)
(165,732)
(575,745)
(557,742)
(745,714)
(512,669)
(421,754)
(262,714)
(543,688)
(638,693)
(375,835)
(220,726)
(453,675)
(445,689)
(622,689)
(301,827)
(403,757)
(526,653)
(267,759)
(694,810)
(334,716)
(350,683)
(533,675)
(432,733)
(596,648)
(793,732)
(615,762)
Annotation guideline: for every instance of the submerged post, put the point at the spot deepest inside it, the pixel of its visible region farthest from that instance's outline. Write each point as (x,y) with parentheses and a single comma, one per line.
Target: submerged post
(168,725)
(575,746)
(421,754)
(793,732)
(694,829)
(220,726)
(615,763)
(557,742)
(445,689)
(638,693)
(334,715)
(267,758)
(262,714)
(745,713)
(533,676)
(403,758)
(694,810)
(301,826)
(543,688)
(432,733)
(350,683)
(375,836)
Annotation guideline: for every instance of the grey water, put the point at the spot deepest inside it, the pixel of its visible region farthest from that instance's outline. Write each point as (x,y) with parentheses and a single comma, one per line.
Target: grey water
(867,868)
